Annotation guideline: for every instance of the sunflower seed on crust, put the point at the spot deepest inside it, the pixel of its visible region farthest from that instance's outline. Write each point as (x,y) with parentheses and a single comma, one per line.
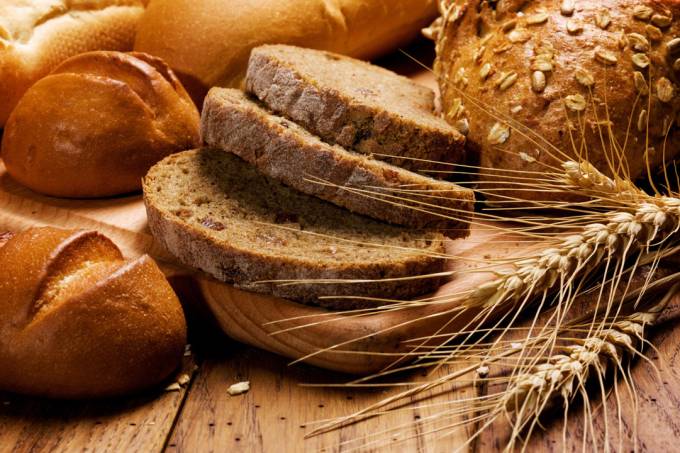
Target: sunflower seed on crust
(605,56)
(640,83)
(673,46)
(575,102)
(519,35)
(542,65)
(653,33)
(640,60)
(584,77)
(638,42)
(642,121)
(574,27)
(662,21)
(485,71)
(537,19)
(499,134)
(642,12)
(665,90)
(507,81)
(603,19)
(538,81)
(567,7)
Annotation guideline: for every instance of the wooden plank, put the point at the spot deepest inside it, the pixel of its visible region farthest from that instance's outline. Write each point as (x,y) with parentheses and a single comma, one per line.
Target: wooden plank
(650,425)
(654,421)
(139,423)
(278,411)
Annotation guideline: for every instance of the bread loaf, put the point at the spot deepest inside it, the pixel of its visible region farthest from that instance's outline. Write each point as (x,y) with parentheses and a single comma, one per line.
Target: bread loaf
(217,213)
(78,321)
(594,80)
(207,42)
(96,124)
(37,35)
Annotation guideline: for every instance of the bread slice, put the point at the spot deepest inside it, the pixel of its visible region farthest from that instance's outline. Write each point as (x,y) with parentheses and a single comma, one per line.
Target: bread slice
(287,152)
(354,104)
(215,212)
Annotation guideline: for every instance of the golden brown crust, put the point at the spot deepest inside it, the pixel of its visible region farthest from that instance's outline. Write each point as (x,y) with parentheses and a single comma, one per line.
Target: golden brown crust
(79,321)
(97,124)
(37,36)
(210,45)
(556,70)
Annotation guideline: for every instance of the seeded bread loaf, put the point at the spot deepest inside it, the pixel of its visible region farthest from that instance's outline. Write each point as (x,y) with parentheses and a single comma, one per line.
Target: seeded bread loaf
(283,150)
(354,104)
(555,66)
(215,212)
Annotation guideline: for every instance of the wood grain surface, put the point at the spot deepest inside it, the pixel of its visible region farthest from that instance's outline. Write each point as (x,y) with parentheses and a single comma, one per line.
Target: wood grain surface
(279,410)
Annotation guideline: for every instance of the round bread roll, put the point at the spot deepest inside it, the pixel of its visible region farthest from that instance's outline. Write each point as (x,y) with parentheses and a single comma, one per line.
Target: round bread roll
(78,321)
(37,35)
(588,80)
(209,46)
(96,124)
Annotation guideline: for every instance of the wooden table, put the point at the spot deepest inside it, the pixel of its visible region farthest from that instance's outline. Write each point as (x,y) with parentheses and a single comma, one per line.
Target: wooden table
(278,411)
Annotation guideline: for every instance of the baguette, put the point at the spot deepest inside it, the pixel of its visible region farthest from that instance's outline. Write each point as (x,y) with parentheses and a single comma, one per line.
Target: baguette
(35,36)
(207,42)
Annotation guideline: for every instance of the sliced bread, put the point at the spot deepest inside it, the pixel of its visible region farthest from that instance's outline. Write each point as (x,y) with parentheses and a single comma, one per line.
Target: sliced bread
(217,213)
(285,151)
(354,104)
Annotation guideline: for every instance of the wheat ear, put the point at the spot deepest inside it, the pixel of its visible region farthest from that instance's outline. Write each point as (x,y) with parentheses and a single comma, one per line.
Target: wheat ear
(563,376)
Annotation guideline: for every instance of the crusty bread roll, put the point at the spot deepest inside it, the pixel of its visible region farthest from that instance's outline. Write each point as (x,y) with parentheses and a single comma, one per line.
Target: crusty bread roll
(36,35)
(551,65)
(78,321)
(96,124)
(207,42)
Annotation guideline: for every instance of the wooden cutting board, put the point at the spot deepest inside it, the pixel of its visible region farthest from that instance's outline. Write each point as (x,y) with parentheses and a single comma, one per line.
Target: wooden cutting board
(276,413)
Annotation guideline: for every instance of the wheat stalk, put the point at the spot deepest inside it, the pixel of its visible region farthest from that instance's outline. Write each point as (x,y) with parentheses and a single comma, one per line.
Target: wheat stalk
(616,223)
(561,376)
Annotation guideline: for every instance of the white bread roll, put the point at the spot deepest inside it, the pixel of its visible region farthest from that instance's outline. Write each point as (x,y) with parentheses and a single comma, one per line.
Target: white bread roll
(207,42)
(37,35)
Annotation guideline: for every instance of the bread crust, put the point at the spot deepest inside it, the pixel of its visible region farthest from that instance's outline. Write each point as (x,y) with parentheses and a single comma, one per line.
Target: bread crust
(228,30)
(258,270)
(78,321)
(96,125)
(35,36)
(394,120)
(284,151)
(581,60)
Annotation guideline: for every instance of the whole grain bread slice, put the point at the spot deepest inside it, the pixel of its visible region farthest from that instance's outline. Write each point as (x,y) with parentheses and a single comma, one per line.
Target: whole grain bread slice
(217,213)
(355,104)
(285,151)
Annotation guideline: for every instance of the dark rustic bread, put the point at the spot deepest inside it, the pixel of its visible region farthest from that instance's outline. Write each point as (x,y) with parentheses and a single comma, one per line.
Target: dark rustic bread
(547,64)
(354,104)
(215,212)
(285,151)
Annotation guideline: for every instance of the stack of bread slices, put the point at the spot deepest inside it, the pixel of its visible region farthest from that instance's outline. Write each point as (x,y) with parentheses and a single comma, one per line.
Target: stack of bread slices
(313,185)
